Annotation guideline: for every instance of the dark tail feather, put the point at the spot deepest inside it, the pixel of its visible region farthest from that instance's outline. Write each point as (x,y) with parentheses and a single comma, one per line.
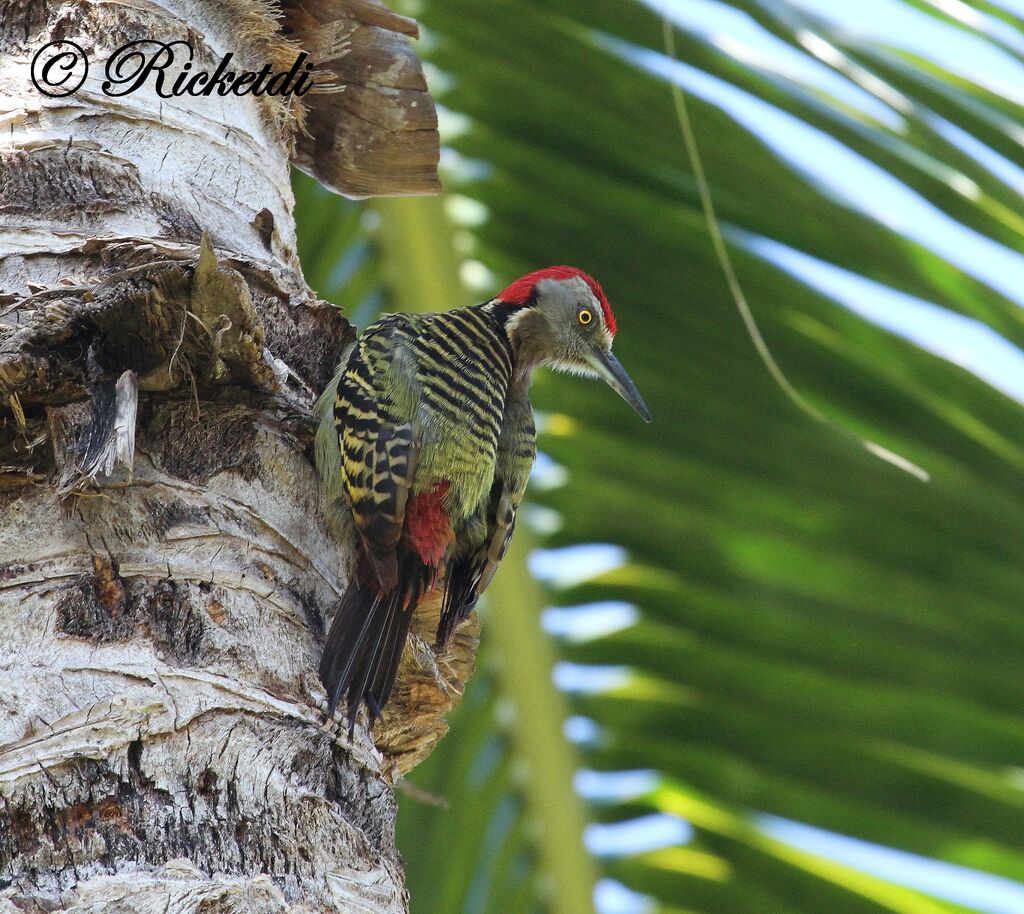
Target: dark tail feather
(364,646)
(459,597)
(353,621)
(379,678)
(384,680)
(377,645)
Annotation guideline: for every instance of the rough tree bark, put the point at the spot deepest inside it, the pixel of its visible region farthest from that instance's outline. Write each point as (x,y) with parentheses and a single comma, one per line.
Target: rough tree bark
(164,576)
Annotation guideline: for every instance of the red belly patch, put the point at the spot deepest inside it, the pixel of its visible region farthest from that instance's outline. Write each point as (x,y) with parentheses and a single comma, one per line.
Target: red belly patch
(427,526)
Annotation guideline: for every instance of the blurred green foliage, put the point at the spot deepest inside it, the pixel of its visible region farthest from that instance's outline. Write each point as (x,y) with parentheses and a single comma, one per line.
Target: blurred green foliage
(820,637)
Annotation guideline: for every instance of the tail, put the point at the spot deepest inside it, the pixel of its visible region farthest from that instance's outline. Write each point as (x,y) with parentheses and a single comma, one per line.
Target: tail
(461,591)
(364,646)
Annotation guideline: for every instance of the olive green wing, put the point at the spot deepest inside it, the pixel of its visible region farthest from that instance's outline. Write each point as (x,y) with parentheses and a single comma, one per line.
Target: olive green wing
(368,440)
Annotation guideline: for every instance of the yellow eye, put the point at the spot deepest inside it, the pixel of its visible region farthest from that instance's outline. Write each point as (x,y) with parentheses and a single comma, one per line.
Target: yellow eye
(585,316)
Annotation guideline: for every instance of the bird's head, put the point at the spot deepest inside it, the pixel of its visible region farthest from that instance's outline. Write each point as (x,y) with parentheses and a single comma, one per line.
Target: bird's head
(560,317)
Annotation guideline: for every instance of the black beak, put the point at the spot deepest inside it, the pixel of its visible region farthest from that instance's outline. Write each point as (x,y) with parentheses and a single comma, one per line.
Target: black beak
(610,368)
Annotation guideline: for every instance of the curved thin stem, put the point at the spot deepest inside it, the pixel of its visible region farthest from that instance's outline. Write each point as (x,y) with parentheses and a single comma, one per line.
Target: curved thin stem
(742,305)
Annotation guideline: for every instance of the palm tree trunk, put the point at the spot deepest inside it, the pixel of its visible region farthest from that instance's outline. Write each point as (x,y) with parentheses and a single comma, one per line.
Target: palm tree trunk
(164,577)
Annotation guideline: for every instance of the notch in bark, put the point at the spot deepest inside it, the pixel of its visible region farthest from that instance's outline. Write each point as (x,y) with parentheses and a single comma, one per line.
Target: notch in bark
(215,337)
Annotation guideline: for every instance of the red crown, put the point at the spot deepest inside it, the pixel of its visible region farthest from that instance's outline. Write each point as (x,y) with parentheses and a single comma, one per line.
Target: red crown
(519,292)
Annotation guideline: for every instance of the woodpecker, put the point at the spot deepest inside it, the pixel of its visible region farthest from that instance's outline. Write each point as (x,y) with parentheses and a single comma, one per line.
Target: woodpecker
(424,446)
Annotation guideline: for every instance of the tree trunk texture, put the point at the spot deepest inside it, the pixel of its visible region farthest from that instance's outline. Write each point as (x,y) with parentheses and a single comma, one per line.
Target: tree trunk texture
(165,578)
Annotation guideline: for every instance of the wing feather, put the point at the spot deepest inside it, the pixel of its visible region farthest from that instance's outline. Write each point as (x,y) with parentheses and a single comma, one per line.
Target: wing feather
(368,441)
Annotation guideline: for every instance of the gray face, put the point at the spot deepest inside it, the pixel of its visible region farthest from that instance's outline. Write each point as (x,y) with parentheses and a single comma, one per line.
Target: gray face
(576,324)
(577,340)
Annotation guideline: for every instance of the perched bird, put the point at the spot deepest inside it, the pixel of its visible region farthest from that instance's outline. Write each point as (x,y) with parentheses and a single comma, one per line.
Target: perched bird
(425,443)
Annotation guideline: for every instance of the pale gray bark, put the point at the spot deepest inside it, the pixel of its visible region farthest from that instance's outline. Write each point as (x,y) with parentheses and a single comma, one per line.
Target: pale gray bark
(164,575)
